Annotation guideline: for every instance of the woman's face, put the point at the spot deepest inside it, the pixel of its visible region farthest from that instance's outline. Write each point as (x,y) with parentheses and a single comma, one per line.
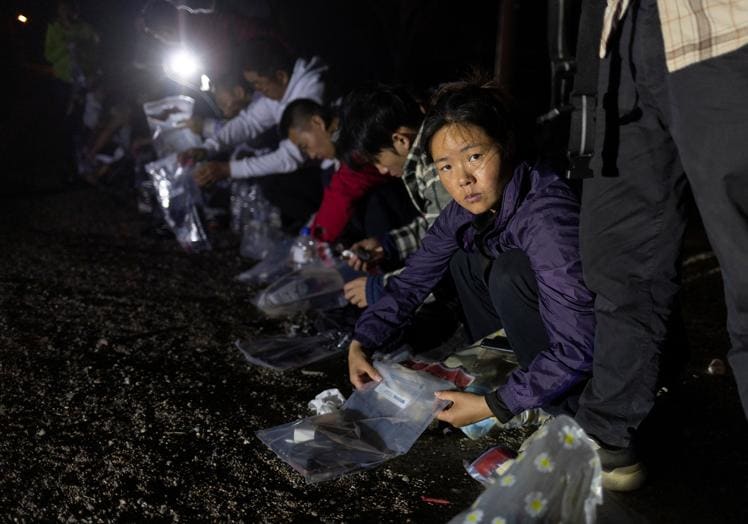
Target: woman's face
(469,166)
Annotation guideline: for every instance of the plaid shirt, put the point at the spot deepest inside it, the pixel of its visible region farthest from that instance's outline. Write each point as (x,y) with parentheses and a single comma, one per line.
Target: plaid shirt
(428,195)
(692,30)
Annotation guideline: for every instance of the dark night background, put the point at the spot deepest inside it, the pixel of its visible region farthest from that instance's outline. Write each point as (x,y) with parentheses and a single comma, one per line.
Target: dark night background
(121,394)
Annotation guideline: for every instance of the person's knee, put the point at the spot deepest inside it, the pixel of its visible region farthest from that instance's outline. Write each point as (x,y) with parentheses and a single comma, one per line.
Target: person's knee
(511,272)
(459,265)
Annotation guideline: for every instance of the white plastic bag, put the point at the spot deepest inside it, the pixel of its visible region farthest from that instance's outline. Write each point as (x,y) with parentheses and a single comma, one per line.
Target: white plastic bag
(177,195)
(374,425)
(311,287)
(326,401)
(557,479)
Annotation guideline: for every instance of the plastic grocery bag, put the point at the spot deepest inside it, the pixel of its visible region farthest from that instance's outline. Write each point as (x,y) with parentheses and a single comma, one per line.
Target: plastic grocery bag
(283,353)
(177,195)
(557,479)
(310,287)
(168,113)
(374,425)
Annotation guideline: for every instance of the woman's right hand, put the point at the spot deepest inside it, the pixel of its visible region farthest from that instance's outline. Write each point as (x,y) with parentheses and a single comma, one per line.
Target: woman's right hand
(360,369)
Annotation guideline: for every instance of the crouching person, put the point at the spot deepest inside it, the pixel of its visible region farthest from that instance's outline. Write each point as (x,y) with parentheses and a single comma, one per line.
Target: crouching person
(510,238)
(359,200)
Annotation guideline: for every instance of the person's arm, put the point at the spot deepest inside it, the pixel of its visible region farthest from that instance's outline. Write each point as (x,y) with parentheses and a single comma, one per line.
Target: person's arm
(382,321)
(248,124)
(285,159)
(565,306)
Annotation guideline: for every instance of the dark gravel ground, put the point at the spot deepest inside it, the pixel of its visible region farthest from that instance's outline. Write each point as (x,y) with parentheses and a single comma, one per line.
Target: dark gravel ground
(123,398)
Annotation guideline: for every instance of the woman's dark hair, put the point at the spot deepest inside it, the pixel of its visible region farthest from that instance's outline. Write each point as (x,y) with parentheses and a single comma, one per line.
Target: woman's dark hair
(370,115)
(300,111)
(471,102)
(266,56)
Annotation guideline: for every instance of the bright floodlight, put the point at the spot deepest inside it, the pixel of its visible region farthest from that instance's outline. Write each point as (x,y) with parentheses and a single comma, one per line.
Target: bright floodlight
(22,18)
(183,64)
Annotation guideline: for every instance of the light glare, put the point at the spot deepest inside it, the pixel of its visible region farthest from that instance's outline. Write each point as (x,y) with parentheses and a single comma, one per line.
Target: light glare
(22,18)
(183,63)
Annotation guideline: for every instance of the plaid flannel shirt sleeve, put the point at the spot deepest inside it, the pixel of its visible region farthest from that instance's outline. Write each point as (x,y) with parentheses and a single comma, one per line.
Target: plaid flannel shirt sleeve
(418,174)
(407,239)
(691,31)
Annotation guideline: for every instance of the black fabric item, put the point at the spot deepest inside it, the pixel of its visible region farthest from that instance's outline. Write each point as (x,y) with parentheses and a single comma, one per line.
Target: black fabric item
(584,93)
(500,293)
(498,408)
(435,322)
(673,130)
(383,209)
(297,194)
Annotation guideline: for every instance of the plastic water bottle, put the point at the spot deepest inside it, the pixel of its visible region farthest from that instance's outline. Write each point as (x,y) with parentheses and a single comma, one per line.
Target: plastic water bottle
(303,249)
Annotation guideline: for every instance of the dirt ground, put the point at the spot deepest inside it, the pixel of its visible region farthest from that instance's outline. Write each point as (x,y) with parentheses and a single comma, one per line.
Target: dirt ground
(123,398)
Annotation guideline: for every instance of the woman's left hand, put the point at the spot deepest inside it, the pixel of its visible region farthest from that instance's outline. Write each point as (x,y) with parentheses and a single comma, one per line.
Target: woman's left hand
(466,408)
(355,292)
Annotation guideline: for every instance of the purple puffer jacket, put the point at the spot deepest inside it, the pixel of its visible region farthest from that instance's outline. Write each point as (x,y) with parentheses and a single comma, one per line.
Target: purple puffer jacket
(539,215)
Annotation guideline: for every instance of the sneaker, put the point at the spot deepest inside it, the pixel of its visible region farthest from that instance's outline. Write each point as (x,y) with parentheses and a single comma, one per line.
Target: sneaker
(622,470)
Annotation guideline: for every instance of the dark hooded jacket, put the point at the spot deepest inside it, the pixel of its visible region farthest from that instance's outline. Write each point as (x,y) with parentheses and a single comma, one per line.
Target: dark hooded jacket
(539,215)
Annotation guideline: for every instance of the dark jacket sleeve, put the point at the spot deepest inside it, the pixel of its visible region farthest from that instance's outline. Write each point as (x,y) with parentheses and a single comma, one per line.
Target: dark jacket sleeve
(346,187)
(405,292)
(549,235)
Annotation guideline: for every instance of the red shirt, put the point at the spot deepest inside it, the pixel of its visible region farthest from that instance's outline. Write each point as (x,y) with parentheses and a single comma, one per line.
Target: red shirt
(339,198)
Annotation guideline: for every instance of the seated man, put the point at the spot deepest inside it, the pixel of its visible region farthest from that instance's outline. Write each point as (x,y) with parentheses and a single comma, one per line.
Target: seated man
(270,70)
(363,191)
(383,126)
(232,93)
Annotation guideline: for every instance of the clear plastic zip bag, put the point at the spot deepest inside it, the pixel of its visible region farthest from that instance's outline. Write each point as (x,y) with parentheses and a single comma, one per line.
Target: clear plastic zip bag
(167,141)
(168,113)
(282,353)
(374,425)
(275,265)
(259,222)
(311,287)
(166,119)
(178,196)
(558,478)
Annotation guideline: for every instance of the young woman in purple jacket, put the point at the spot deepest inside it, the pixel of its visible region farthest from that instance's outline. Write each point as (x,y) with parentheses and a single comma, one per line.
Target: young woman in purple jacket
(511,240)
